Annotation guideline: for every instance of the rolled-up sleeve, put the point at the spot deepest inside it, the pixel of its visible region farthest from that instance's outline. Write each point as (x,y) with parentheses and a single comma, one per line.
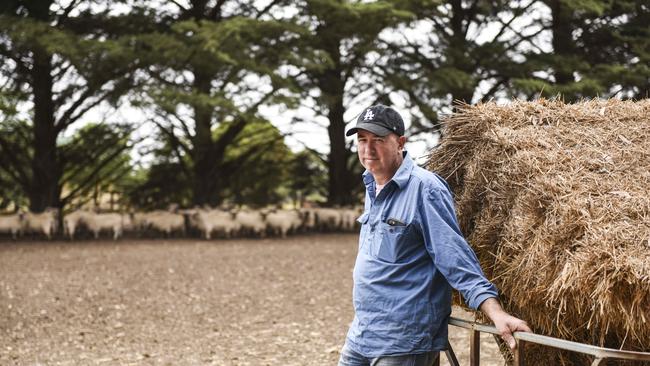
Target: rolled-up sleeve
(451,253)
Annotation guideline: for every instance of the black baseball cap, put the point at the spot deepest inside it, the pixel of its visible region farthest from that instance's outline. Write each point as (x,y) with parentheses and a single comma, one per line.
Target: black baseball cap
(380,120)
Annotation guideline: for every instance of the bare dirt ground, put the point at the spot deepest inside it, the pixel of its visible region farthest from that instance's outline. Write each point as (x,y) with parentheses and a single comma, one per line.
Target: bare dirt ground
(182,302)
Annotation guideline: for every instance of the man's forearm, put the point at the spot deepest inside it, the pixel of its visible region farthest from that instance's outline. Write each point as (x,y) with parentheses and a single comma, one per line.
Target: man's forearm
(491,307)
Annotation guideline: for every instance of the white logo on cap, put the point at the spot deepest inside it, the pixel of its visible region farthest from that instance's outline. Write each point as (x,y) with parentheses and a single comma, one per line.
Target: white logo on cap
(369,115)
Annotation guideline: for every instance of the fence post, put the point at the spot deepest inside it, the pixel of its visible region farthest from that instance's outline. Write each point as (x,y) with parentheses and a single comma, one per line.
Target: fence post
(519,353)
(475,348)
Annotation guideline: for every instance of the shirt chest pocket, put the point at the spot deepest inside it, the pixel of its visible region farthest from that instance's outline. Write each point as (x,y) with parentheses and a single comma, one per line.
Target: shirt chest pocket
(389,241)
(395,242)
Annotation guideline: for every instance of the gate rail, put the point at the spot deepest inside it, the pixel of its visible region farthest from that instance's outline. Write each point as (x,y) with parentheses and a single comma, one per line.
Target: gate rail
(599,353)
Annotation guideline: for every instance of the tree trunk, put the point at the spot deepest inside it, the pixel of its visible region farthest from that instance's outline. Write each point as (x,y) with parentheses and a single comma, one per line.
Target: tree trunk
(46,170)
(332,85)
(202,159)
(342,185)
(457,52)
(339,193)
(562,42)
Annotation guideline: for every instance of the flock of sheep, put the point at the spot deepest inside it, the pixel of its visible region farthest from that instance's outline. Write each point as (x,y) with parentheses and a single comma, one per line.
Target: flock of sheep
(207,223)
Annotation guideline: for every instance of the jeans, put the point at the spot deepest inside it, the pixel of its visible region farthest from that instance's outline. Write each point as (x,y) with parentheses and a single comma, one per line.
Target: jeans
(351,358)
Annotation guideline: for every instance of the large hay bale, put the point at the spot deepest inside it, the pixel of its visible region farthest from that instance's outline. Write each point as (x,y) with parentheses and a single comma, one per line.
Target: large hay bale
(555,200)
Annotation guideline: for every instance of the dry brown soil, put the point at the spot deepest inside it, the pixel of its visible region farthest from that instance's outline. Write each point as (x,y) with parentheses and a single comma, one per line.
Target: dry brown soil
(182,302)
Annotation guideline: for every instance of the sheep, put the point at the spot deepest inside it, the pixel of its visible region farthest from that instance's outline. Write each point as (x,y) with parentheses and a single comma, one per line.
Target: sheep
(164,221)
(72,221)
(12,224)
(327,219)
(208,221)
(283,221)
(252,221)
(96,222)
(44,222)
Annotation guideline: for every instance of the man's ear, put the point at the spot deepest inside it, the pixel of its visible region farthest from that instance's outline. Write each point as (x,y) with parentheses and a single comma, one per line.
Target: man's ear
(402,142)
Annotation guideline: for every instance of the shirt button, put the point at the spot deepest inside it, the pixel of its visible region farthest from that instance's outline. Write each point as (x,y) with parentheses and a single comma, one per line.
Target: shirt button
(391,230)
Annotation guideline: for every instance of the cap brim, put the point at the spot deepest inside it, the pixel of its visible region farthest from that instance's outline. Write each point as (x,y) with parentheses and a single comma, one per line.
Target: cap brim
(371,127)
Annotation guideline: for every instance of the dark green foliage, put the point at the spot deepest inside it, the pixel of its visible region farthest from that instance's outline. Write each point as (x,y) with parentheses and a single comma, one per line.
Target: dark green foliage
(211,67)
(308,178)
(468,52)
(157,187)
(341,42)
(62,71)
(480,50)
(14,151)
(600,49)
(95,159)
(202,72)
(260,166)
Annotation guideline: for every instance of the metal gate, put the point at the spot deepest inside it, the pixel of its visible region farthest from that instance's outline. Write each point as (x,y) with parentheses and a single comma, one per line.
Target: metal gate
(599,353)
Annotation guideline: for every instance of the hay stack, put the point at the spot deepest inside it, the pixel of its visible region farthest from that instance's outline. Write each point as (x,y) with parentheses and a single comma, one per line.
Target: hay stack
(555,200)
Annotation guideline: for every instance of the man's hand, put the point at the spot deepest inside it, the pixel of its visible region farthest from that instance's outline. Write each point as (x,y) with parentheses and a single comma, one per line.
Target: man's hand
(504,322)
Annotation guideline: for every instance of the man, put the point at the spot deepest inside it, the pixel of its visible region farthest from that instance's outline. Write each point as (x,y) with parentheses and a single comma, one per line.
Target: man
(411,254)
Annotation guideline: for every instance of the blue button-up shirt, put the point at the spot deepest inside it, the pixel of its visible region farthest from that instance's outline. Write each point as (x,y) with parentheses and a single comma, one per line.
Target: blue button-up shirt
(411,254)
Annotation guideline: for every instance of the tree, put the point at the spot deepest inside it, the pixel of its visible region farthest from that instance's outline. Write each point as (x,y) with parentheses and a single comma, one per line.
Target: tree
(12,132)
(462,51)
(479,50)
(260,164)
(158,186)
(343,36)
(63,66)
(308,177)
(94,160)
(631,77)
(213,66)
(600,48)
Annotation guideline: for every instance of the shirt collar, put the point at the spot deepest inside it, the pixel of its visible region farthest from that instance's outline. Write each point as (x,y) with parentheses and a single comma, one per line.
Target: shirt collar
(401,176)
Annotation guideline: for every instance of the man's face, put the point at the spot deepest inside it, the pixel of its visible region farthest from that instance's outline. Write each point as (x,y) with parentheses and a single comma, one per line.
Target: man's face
(382,156)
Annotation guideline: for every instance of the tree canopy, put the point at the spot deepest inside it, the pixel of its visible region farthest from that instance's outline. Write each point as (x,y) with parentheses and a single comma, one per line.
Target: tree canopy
(198,79)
